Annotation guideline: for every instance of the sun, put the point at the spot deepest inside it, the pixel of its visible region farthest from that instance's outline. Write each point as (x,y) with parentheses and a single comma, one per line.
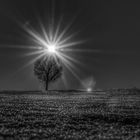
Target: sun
(52,49)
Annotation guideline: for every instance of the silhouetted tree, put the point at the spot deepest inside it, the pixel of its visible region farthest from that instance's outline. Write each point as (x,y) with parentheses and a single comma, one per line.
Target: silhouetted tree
(47,70)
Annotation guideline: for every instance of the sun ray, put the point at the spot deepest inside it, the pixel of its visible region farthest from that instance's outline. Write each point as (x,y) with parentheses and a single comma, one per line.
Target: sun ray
(28,64)
(65,31)
(67,63)
(18,46)
(37,37)
(57,29)
(34,53)
(68,66)
(44,32)
(83,50)
(70,44)
(71,58)
(64,60)
(67,38)
(33,60)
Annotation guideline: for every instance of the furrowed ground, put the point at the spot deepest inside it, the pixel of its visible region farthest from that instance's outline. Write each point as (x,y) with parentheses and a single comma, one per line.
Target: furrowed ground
(77,116)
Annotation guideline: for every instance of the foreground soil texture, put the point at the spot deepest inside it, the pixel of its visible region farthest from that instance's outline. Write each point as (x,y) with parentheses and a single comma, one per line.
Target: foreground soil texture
(76,116)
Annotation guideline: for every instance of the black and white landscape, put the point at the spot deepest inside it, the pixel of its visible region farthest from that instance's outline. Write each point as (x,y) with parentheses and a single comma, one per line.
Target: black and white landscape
(69,70)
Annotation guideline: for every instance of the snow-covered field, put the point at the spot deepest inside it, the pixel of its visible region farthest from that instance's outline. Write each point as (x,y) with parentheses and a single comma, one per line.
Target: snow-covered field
(75,116)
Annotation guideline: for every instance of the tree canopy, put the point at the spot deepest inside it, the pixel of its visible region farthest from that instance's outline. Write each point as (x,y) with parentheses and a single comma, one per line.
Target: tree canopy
(47,70)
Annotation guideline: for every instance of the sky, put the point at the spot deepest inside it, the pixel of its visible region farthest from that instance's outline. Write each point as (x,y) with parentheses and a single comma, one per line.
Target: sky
(112,28)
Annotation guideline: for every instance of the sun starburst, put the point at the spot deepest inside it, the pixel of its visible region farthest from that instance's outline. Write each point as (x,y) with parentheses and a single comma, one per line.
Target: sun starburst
(53,42)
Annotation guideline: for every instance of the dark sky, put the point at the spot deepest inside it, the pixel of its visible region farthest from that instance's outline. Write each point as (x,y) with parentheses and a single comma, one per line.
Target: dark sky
(113,27)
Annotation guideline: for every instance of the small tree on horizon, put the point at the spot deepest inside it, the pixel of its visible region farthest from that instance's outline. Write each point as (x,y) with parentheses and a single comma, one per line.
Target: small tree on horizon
(47,70)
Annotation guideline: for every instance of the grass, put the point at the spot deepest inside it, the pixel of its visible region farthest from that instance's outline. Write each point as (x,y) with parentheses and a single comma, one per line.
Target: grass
(78,116)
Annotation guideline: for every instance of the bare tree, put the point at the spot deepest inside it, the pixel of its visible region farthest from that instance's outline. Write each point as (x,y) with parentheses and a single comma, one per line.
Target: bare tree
(47,70)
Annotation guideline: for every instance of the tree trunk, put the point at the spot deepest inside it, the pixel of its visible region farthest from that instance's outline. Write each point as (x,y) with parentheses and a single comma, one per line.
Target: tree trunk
(46,88)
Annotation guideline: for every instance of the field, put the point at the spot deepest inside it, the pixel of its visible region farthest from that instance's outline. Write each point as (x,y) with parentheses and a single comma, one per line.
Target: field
(71,116)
